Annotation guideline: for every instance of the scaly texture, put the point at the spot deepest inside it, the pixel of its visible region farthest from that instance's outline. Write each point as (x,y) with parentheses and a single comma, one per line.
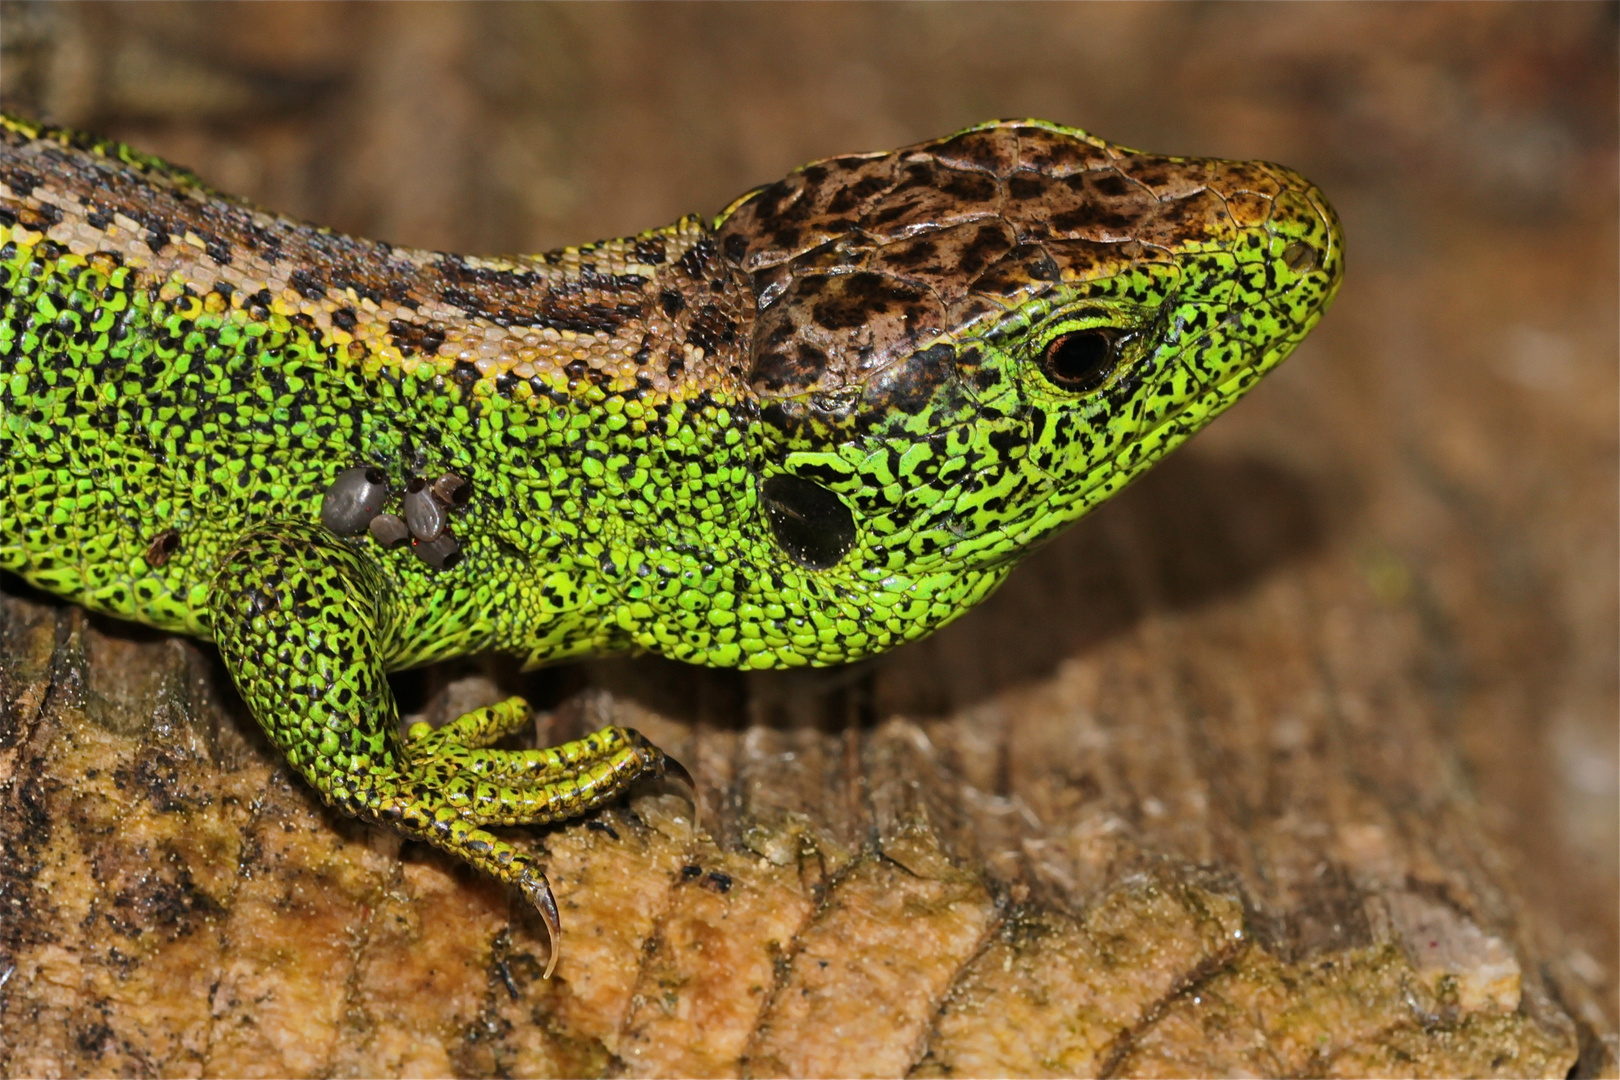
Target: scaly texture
(825,423)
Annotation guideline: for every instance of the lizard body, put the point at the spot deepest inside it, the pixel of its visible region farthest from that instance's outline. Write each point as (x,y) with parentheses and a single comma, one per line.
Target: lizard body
(817,426)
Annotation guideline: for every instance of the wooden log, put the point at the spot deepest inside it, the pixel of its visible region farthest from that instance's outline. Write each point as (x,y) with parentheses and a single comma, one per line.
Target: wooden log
(1222,781)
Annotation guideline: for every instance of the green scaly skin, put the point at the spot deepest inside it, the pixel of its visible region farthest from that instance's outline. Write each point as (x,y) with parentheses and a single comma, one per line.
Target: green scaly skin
(818,426)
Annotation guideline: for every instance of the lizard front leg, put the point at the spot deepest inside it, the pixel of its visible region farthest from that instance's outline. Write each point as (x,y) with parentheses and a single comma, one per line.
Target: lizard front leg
(304,623)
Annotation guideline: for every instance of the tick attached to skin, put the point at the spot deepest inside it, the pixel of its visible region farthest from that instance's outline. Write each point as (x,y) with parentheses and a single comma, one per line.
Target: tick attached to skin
(355,497)
(442,552)
(389,530)
(451,490)
(424,514)
(821,424)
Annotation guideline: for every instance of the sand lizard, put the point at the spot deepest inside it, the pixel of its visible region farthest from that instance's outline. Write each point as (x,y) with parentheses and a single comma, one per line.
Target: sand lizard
(820,424)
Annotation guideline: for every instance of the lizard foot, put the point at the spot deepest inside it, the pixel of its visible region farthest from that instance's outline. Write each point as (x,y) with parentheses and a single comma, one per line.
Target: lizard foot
(451,784)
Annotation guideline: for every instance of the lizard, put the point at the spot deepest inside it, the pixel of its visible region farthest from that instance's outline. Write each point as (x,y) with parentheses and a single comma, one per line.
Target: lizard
(820,424)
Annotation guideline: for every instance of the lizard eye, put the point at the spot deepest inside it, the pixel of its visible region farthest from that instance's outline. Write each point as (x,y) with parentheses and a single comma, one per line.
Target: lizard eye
(812,524)
(1080,360)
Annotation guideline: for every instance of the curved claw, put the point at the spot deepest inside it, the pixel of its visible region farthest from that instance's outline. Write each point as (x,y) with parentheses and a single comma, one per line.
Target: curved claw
(667,768)
(678,774)
(538,892)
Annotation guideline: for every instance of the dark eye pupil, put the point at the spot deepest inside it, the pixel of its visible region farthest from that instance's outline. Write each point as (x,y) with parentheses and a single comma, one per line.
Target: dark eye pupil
(1079,361)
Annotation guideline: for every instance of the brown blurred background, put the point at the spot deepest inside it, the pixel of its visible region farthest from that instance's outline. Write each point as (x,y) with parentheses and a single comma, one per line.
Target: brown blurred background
(1443,449)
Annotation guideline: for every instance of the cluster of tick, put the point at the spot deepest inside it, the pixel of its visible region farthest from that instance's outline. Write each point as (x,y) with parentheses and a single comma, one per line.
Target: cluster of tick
(356,502)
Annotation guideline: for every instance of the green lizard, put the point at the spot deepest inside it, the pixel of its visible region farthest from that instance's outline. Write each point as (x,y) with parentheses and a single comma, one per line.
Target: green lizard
(821,424)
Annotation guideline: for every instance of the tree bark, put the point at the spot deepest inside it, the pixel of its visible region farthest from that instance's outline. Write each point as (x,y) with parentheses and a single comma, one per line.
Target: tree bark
(1247,773)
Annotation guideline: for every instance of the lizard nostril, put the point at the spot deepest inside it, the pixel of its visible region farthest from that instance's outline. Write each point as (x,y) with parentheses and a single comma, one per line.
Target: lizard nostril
(1300,257)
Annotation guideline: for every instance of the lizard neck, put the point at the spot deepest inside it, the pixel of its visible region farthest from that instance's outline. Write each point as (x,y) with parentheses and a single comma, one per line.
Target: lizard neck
(657,316)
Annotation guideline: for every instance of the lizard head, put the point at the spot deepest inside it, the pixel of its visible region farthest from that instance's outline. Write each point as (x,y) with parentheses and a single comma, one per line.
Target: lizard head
(962,346)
